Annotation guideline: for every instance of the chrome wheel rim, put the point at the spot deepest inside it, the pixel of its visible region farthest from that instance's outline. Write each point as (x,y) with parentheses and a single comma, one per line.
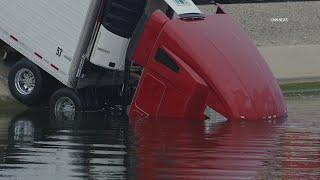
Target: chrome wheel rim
(25,81)
(64,105)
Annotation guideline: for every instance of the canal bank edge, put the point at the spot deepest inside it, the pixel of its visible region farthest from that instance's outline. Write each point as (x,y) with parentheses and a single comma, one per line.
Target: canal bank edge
(4,91)
(287,88)
(300,88)
(6,99)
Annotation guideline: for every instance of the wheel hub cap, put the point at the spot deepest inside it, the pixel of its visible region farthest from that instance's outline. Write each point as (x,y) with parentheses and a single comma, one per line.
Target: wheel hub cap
(25,81)
(65,105)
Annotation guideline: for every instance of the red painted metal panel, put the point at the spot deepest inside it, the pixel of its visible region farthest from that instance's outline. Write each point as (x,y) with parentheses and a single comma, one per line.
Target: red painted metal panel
(151,32)
(217,58)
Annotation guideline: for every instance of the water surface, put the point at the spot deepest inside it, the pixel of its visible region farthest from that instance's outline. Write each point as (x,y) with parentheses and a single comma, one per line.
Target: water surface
(34,145)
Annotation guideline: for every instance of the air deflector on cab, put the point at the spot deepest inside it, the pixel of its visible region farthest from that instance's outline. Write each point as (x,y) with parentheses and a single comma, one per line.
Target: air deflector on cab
(219,68)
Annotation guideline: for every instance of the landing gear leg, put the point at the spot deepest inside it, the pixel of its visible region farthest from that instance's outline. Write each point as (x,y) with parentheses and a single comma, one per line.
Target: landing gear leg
(125,87)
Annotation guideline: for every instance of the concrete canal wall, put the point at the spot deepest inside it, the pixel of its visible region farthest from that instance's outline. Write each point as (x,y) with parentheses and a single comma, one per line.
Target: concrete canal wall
(287,34)
(293,64)
(4,91)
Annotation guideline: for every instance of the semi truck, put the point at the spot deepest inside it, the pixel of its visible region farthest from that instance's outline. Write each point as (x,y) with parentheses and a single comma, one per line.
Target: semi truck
(176,61)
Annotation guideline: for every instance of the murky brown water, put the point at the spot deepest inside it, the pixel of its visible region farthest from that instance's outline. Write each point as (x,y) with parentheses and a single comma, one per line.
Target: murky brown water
(101,146)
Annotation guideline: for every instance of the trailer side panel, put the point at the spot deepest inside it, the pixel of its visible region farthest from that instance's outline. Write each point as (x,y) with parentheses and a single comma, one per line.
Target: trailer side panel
(46,32)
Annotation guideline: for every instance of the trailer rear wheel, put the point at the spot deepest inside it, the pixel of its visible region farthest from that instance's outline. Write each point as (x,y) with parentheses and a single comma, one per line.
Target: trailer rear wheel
(67,102)
(26,82)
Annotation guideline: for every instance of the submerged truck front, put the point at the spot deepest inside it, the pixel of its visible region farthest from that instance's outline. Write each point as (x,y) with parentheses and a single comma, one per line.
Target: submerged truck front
(196,64)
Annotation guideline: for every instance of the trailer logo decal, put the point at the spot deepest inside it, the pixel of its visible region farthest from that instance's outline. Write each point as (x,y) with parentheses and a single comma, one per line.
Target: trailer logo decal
(59,51)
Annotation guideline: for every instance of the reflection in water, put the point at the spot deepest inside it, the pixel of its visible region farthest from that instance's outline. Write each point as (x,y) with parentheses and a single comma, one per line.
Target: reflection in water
(101,146)
(87,147)
(186,150)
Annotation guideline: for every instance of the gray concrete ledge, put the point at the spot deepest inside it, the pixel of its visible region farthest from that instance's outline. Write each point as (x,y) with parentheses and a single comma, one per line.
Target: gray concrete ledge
(294,63)
(301,27)
(4,91)
(291,48)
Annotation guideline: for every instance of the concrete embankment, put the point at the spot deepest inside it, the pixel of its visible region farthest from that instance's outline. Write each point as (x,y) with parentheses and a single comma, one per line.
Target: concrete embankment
(294,64)
(4,91)
(286,33)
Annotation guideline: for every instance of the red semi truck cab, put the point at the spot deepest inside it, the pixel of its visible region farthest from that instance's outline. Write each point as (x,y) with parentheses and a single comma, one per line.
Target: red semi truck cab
(195,64)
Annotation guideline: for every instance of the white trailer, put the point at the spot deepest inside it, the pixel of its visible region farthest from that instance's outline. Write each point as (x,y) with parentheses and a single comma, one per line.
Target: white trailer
(71,47)
(68,40)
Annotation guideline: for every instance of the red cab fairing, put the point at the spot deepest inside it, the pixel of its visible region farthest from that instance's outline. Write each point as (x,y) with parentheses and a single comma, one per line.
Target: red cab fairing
(219,67)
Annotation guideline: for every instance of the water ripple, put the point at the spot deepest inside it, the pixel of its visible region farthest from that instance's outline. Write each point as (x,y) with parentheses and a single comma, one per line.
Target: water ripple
(102,147)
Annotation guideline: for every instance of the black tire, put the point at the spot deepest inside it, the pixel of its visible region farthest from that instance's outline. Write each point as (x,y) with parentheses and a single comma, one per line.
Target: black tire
(37,94)
(73,96)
